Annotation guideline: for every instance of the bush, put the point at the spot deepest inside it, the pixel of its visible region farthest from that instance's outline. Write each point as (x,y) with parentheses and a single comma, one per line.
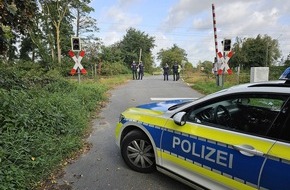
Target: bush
(116,68)
(276,72)
(42,121)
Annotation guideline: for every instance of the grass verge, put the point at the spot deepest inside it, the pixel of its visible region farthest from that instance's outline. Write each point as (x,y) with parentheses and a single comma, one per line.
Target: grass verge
(43,121)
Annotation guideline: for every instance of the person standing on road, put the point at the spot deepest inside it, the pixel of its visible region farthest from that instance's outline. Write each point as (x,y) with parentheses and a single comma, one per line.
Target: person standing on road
(134,70)
(141,71)
(178,72)
(175,71)
(165,71)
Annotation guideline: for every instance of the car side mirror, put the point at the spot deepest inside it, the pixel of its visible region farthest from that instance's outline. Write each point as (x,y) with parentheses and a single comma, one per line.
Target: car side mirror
(180,118)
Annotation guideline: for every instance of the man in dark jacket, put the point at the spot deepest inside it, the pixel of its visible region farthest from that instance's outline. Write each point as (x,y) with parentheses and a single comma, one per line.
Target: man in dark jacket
(166,71)
(141,70)
(175,71)
(134,67)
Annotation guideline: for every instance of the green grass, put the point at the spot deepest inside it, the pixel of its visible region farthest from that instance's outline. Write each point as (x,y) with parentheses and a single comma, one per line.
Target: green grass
(43,121)
(206,87)
(206,84)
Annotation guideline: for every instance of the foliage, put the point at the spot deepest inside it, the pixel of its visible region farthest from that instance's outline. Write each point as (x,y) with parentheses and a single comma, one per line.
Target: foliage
(135,42)
(57,13)
(287,63)
(15,18)
(188,67)
(276,72)
(206,68)
(86,28)
(201,82)
(207,87)
(109,69)
(84,23)
(255,52)
(111,53)
(171,55)
(45,27)
(111,82)
(25,75)
(148,63)
(42,121)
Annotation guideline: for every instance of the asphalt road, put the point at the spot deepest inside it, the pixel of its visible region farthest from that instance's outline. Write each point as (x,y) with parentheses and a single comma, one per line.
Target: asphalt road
(102,166)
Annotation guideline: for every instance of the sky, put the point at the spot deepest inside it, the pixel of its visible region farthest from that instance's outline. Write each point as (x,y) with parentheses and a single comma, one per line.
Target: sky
(189,23)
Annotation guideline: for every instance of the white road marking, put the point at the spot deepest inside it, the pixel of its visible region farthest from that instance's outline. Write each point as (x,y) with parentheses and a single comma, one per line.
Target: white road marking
(166,99)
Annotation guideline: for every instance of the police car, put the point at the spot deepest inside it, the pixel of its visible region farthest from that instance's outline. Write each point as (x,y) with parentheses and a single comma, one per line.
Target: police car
(237,138)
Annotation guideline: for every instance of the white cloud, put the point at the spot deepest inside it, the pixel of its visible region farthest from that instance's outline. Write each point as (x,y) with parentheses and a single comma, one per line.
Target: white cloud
(121,20)
(128,3)
(111,37)
(189,23)
(163,41)
(117,19)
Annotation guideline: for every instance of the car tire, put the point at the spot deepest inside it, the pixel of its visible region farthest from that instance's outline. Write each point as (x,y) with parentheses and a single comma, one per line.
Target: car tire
(137,152)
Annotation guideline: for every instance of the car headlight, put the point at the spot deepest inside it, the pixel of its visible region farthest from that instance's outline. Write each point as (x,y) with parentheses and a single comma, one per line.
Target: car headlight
(121,118)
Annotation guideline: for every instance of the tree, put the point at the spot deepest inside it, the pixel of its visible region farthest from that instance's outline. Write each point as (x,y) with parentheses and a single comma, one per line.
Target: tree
(56,21)
(84,23)
(42,28)
(56,11)
(40,39)
(188,66)
(255,52)
(111,53)
(86,26)
(15,18)
(239,59)
(287,63)
(26,46)
(272,50)
(131,44)
(171,55)
(206,68)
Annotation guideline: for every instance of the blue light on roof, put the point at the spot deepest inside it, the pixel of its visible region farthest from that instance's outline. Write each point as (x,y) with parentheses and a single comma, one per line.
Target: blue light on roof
(285,74)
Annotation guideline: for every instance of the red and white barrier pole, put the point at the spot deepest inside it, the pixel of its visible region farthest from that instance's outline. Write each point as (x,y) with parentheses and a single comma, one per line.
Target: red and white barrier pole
(214,30)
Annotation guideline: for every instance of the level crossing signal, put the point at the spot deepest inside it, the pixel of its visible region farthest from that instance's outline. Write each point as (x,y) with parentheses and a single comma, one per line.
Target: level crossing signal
(76,44)
(224,63)
(227,45)
(77,61)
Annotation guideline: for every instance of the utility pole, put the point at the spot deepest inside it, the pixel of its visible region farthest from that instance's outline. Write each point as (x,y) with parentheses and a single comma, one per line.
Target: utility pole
(140,55)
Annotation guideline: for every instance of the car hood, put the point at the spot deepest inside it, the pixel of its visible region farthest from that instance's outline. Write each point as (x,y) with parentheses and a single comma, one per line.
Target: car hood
(162,106)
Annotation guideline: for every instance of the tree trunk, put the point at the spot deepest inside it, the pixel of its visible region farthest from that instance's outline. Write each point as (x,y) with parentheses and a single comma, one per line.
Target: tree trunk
(58,44)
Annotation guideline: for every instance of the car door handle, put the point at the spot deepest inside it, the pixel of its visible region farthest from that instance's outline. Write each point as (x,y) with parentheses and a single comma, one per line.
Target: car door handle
(248,150)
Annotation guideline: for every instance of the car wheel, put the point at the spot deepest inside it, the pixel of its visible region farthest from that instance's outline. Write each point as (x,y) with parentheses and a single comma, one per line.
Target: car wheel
(138,153)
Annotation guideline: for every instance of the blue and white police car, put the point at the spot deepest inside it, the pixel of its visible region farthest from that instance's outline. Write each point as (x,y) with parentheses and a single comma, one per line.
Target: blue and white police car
(237,138)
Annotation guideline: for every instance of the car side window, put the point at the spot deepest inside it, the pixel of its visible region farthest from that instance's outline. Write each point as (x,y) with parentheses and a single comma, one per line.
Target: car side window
(267,103)
(253,114)
(281,128)
(285,135)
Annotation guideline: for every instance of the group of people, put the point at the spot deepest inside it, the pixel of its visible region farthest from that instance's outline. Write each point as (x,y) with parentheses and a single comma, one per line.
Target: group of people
(137,70)
(176,68)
